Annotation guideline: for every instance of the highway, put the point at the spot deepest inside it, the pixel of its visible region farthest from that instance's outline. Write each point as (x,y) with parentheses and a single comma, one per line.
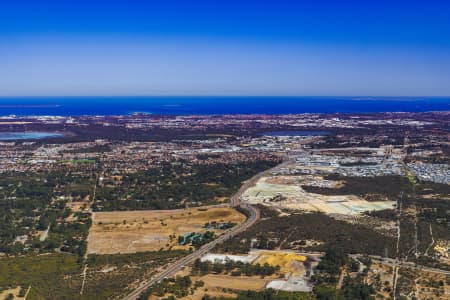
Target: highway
(179,264)
(235,201)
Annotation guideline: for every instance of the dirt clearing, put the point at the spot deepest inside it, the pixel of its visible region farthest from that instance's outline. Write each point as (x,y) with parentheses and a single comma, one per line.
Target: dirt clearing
(152,230)
(287,261)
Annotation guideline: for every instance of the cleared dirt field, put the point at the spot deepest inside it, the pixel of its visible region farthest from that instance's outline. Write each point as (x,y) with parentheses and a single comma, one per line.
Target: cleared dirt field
(151,230)
(14,291)
(77,206)
(222,286)
(238,283)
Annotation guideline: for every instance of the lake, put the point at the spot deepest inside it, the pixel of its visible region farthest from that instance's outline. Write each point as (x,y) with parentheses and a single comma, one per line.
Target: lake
(11,136)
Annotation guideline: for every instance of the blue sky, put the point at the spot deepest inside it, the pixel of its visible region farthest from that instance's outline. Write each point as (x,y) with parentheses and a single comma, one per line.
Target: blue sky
(225,47)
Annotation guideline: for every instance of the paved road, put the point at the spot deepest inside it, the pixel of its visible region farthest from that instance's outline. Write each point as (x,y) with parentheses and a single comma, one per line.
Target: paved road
(179,264)
(402,263)
(236,198)
(235,201)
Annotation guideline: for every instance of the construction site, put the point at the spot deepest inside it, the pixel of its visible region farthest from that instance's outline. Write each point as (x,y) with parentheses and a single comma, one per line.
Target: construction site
(295,269)
(285,192)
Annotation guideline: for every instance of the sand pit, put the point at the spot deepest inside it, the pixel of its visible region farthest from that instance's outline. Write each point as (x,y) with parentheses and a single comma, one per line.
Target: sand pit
(13,291)
(151,230)
(292,196)
(289,262)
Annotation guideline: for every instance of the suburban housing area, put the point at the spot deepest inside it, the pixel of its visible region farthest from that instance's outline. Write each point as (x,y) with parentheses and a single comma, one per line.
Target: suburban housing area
(299,206)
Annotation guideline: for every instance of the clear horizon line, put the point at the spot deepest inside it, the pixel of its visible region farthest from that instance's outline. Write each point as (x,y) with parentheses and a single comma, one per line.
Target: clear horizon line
(225,96)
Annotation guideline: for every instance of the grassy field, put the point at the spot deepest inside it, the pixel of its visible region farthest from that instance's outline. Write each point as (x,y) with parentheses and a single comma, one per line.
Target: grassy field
(152,230)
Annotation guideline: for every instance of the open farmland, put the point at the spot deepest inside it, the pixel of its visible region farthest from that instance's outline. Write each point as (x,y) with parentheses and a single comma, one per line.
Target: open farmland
(152,230)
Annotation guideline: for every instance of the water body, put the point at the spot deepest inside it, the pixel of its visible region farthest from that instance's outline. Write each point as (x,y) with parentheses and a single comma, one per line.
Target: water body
(76,106)
(11,136)
(297,133)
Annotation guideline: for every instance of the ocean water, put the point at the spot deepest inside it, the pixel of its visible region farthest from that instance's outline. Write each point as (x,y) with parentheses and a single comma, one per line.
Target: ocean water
(76,106)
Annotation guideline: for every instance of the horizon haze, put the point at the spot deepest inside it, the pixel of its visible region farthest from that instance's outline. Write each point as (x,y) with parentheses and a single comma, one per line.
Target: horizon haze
(260,48)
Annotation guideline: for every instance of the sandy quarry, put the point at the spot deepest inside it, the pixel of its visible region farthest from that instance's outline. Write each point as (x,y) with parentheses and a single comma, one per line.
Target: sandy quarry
(289,262)
(290,277)
(294,197)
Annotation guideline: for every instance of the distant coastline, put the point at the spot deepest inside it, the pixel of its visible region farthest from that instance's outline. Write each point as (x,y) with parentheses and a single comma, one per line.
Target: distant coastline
(77,106)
